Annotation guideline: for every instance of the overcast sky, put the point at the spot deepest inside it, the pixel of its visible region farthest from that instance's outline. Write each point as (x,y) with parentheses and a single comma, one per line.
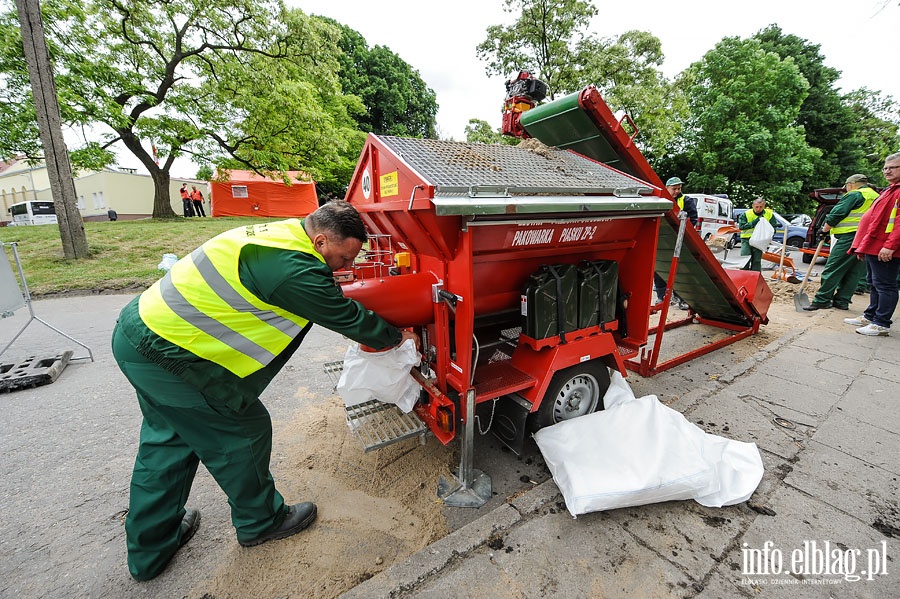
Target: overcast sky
(439,39)
(857,37)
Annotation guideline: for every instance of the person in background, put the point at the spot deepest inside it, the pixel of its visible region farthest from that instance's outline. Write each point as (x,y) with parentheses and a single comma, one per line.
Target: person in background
(746,222)
(689,205)
(186,203)
(197,200)
(877,241)
(842,271)
(201,344)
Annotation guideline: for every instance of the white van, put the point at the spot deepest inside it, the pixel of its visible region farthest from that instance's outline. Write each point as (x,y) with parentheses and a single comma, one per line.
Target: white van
(713,213)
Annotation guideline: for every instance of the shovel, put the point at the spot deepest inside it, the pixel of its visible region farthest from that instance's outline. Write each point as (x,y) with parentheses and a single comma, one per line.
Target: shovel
(791,278)
(801,301)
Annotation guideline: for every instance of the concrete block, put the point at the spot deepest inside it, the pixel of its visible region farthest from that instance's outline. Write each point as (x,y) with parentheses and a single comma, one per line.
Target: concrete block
(749,420)
(883,369)
(802,526)
(784,393)
(867,442)
(33,371)
(874,401)
(848,484)
(558,556)
(684,532)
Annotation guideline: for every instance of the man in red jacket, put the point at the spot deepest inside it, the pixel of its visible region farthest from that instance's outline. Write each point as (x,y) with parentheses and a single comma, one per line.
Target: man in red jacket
(878,242)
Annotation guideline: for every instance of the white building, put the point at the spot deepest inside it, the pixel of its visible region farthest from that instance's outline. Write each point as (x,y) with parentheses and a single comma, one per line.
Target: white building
(124,190)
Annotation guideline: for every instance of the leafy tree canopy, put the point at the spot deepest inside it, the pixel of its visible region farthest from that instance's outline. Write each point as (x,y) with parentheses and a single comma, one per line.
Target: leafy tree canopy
(742,136)
(396,101)
(547,37)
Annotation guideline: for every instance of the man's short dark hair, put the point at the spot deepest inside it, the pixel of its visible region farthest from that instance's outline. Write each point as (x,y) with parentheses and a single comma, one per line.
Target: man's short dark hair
(340,218)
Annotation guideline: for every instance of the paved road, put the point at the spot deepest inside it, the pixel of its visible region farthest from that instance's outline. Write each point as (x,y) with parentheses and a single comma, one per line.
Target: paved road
(66,452)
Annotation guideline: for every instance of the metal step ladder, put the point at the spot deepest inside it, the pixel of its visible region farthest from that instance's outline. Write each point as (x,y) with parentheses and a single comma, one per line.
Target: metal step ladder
(377,424)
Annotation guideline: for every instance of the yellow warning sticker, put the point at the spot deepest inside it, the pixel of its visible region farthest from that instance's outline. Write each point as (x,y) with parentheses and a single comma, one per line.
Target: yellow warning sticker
(389,185)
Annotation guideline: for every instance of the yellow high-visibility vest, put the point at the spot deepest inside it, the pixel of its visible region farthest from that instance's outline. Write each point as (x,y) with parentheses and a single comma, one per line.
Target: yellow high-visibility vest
(752,216)
(202,306)
(850,223)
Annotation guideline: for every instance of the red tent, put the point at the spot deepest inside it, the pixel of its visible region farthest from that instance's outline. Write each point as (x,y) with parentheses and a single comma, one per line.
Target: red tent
(244,193)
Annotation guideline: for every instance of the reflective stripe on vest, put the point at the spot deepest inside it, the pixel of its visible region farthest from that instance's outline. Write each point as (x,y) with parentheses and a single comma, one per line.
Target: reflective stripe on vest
(752,216)
(890,223)
(850,223)
(680,202)
(201,305)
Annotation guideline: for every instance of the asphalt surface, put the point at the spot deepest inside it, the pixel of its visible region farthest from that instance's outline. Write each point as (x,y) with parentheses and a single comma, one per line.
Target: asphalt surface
(831,481)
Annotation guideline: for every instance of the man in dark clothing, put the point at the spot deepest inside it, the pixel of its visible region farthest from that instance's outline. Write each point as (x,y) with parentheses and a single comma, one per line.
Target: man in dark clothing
(842,270)
(201,344)
(197,200)
(186,203)
(689,205)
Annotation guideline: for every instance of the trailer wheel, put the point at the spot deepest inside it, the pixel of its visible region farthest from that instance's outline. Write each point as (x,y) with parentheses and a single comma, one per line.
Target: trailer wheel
(732,241)
(573,392)
(807,258)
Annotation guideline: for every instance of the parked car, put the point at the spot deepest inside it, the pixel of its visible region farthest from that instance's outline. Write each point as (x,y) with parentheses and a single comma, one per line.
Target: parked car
(796,234)
(825,199)
(801,220)
(713,213)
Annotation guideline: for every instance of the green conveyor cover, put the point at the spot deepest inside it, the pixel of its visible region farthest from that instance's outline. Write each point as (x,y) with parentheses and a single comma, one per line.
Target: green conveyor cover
(564,124)
(700,280)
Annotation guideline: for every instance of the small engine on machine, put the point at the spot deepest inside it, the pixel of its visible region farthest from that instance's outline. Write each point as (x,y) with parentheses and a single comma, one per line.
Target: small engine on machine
(523,92)
(527,272)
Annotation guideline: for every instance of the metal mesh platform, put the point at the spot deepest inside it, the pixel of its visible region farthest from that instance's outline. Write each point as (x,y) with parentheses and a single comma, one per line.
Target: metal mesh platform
(453,166)
(379,424)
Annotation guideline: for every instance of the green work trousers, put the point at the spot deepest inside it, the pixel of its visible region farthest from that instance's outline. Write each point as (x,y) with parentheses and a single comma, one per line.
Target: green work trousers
(841,274)
(755,262)
(181,428)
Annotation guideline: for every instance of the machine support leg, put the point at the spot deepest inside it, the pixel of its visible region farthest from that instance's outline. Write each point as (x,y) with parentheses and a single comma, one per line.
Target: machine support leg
(670,284)
(471,487)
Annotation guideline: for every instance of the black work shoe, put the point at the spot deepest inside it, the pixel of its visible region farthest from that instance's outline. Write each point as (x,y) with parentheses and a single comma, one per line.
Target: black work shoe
(836,307)
(813,307)
(298,517)
(189,525)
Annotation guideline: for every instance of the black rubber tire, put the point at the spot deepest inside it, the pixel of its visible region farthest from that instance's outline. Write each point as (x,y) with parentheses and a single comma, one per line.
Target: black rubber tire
(565,396)
(807,258)
(732,242)
(796,242)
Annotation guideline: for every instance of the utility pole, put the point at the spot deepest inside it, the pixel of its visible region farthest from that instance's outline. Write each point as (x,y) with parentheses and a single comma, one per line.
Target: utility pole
(56,155)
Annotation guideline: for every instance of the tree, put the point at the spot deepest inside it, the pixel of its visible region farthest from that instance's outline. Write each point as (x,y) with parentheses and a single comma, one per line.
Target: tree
(274,114)
(479,131)
(742,137)
(548,37)
(626,70)
(827,122)
(136,67)
(395,98)
(877,122)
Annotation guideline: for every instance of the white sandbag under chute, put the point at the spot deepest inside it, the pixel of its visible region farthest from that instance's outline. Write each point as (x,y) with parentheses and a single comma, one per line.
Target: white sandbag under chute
(639,451)
(380,375)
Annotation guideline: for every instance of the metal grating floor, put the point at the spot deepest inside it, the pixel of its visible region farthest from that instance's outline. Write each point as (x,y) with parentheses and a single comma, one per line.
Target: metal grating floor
(379,424)
(455,165)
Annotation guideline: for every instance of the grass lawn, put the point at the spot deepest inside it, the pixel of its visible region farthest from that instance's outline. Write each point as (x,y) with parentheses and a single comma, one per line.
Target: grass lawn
(124,254)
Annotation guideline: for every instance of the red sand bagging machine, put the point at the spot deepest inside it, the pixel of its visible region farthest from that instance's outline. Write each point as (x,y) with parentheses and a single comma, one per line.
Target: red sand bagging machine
(527,271)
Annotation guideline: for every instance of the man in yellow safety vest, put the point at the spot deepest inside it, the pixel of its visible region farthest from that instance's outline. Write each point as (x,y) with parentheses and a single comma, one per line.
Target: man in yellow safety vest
(842,270)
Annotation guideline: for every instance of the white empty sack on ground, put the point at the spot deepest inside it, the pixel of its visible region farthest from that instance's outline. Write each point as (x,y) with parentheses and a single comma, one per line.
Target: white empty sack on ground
(380,375)
(639,451)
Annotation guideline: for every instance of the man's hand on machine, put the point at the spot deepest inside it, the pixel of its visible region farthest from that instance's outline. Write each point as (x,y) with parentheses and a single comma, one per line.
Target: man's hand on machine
(409,335)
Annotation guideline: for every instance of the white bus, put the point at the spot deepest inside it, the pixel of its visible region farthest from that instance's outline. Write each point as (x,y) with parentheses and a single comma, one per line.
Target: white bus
(33,212)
